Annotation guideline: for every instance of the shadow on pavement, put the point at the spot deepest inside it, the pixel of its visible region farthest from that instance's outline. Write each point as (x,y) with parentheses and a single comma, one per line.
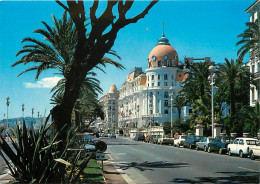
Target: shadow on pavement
(232,178)
(150,165)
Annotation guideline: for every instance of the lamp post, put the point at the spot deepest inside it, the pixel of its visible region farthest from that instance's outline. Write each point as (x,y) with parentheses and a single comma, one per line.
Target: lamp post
(7,105)
(137,117)
(23,110)
(171,116)
(211,78)
(32,114)
(113,122)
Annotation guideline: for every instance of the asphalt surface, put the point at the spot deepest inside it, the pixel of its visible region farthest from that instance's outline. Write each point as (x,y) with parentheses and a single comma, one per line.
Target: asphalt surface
(149,163)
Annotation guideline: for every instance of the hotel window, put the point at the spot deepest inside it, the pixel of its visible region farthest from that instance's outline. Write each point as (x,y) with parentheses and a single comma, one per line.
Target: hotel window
(166,103)
(159,64)
(166,94)
(148,84)
(172,77)
(165,77)
(152,77)
(165,84)
(152,84)
(166,111)
(159,76)
(158,84)
(172,83)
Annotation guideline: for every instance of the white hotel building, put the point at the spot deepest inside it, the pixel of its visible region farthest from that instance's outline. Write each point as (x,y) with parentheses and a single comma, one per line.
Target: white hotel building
(254,63)
(144,99)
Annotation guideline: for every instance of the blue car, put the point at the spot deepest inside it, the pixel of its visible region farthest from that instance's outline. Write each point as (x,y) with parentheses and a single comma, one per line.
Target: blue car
(219,144)
(191,140)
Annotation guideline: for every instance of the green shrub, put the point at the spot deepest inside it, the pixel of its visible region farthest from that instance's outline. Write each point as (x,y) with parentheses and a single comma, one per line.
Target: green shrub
(37,157)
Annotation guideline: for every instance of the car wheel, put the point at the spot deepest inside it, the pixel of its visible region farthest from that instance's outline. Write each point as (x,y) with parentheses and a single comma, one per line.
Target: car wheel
(229,152)
(252,155)
(197,148)
(220,151)
(241,154)
(209,149)
(178,145)
(205,148)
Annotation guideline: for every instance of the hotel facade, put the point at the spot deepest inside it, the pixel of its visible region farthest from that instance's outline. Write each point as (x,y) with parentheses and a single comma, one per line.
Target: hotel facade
(254,62)
(145,98)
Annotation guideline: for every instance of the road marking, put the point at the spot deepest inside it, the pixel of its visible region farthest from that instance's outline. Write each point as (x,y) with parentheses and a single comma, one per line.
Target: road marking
(248,169)
(257,161)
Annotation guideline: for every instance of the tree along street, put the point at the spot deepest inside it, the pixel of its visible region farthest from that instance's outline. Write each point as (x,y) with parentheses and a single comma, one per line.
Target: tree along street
(149,163)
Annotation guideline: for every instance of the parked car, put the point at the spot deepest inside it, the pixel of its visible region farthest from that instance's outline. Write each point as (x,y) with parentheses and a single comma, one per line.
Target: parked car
(203,144)
(241,146)
(165,140)
(254,151)
(139,137)
(155,138)
(178,141)
(220,144)
(112,135)
(190,141)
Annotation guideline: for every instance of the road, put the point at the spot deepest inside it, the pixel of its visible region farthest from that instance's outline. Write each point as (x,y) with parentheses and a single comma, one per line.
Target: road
(149,163)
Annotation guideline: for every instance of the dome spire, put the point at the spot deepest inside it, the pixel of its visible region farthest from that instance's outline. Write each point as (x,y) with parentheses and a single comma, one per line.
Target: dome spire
(163,40)
(163,29)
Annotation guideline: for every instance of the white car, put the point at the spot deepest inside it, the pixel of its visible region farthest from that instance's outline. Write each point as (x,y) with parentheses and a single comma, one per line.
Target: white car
(254,151)
(179,140)
(241,146)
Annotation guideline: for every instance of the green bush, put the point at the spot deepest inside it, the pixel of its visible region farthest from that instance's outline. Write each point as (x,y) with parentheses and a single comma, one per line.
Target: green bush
(37,157)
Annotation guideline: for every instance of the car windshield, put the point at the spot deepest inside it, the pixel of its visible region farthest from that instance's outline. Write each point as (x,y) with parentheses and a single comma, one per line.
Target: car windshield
(252,142)
(183,137)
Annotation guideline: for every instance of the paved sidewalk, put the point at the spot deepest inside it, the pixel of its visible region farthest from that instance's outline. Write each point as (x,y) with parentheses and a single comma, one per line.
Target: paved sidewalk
(112,175)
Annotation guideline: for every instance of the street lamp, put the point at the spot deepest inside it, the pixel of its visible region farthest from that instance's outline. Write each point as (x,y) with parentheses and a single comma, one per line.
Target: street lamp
(7,105)
(32,114)
(211,78)
(23,109)
(171,116)
(113,122)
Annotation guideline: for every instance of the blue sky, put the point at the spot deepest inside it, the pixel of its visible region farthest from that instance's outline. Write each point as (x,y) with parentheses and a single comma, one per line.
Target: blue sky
(200,28)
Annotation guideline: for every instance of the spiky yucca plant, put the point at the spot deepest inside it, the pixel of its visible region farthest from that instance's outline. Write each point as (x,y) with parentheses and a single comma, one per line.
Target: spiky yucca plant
(33,155)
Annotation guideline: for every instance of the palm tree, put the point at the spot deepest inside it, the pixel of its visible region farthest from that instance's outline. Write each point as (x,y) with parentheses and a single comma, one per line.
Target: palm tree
(250,40)
(231,73)
(57,52)
(197,83)
(236,78)
(178,102)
